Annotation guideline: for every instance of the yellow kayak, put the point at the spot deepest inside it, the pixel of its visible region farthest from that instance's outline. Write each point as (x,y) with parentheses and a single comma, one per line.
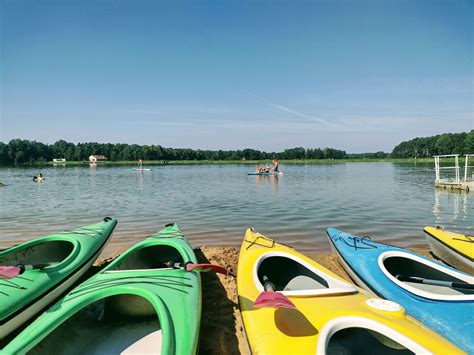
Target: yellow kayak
(454,249)
(331,315)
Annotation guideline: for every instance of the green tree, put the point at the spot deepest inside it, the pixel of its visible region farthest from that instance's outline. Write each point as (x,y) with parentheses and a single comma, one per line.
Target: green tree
(469,143)
(444,144)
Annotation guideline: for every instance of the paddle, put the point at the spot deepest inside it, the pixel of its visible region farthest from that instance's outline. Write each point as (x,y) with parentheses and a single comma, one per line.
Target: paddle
(9,272)
(272,299)
(199,267)
(420,280)
(206,268)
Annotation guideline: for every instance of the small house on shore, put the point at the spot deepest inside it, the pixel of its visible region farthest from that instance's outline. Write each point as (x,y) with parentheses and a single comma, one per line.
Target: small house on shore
(97,158)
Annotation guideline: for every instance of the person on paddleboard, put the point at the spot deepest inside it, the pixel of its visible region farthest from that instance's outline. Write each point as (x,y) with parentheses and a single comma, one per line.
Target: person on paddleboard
(267,168)
(140,164)
(275,166)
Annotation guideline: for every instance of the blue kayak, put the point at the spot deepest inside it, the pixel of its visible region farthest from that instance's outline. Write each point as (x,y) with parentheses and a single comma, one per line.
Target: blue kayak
(439,296)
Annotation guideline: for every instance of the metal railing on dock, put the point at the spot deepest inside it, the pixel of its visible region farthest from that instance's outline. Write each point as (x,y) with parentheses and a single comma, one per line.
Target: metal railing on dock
(454,181)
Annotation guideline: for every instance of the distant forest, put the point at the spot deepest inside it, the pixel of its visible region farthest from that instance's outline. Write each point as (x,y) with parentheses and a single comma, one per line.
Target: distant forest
(447,143)
(19,151)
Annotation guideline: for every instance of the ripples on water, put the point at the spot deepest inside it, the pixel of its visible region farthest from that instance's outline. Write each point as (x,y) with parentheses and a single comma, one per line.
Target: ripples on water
(214,204)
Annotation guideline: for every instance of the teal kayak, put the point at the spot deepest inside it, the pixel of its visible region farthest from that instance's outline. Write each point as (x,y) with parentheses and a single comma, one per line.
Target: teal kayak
(143,302)
(63,258)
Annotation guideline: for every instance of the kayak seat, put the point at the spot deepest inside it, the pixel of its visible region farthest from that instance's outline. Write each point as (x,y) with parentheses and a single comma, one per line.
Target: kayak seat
(42,253)
(150,257)
(303,283)
(288,274)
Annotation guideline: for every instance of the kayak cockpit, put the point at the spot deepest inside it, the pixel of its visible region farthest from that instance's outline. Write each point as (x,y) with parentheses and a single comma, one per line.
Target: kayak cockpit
(425,278)
(44,251)
(107,327)
(289,275)
(148,257)
(359,335)
(363,341)
(294,276)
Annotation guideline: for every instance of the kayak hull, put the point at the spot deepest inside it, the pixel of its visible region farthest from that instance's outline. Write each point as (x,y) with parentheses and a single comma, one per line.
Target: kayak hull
(144,306)
(454,249)
(42,287)
(322,312)
(366,260)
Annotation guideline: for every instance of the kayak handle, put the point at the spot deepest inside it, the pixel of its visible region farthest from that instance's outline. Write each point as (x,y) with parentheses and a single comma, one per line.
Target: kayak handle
(267,284)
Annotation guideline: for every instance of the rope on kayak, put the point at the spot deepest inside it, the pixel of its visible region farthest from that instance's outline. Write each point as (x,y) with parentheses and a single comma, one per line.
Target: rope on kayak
(254,242)
(362,240)
(150,280)
(8,283)
(174,234)
(13,284)
(469,240)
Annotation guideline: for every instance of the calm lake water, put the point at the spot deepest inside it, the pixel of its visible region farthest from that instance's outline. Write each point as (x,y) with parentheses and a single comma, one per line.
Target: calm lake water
(214,204)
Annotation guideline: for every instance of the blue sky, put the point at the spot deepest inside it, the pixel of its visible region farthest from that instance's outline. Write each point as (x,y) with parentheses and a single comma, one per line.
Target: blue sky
(355,75)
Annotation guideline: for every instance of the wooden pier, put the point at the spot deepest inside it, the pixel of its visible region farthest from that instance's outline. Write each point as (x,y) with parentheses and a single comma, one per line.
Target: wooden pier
(456,182)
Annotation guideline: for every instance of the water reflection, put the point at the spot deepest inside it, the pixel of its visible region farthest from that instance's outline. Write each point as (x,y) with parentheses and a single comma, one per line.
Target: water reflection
(275,182)
(140,178)
(450,206)
(265,179)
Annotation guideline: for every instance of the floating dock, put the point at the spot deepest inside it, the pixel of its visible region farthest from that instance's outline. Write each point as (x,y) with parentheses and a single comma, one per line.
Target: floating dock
(455,181)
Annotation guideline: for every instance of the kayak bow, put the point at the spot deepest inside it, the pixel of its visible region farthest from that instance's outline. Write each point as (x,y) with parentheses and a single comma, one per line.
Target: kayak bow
(64,257)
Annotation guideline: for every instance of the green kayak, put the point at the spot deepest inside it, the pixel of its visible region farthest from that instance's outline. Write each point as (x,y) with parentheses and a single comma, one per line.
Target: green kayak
(59,260)
(143,302)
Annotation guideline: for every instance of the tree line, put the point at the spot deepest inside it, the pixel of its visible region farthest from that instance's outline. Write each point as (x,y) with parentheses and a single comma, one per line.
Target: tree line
(19,151)
(447,143)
